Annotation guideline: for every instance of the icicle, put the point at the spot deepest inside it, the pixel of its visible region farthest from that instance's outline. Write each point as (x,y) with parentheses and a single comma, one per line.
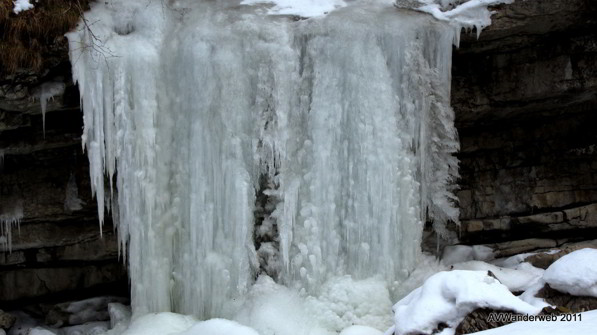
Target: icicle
(11,214)
(46,92)
(72,202)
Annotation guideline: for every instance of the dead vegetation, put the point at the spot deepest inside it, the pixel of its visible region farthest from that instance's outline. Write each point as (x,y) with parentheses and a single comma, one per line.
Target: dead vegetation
(27,39)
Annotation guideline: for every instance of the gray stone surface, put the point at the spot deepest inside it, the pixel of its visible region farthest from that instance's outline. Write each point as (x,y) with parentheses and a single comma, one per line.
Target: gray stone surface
(525,98)
(56,247)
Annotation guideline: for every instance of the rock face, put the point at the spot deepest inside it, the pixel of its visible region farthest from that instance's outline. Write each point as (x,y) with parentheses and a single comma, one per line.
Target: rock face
(525,97)
(57,247)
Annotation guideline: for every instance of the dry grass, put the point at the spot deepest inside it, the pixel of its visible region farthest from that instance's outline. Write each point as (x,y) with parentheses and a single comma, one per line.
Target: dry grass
(26,39)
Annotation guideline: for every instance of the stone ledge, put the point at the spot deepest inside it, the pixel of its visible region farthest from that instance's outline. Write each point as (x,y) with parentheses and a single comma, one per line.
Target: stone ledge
(572,218)
(35,282)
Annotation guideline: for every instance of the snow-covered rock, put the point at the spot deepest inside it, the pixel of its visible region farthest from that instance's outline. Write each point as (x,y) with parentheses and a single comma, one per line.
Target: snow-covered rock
(574,273)
(517,279)
(447,297)
(580,324)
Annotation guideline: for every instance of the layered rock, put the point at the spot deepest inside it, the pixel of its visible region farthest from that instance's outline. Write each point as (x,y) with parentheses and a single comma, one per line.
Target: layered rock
(525,97)
(57,247)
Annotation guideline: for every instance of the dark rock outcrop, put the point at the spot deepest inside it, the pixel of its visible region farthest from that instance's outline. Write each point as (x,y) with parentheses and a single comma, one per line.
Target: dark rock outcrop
(44,181)
(573,304)
(525,97)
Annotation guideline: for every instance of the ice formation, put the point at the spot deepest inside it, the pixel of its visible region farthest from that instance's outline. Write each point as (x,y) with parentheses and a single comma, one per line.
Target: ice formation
(461,13)
(72,202)
(11,213)
(46,92)
(189,105)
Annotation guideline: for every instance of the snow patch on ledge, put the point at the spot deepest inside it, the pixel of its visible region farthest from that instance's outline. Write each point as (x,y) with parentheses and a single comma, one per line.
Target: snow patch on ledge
(21,6)
(448,297)
(469,14)
(574,273)
(304,8)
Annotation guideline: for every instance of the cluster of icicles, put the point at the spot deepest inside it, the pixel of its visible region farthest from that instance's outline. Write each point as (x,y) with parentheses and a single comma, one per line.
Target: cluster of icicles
(199,114)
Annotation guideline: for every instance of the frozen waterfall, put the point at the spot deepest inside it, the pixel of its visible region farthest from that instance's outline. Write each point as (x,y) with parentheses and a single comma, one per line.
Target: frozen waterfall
(191,107)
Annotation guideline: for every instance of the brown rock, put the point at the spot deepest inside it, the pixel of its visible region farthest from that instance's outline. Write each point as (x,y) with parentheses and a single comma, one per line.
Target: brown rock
(479,320)
(573,304)
(6,320)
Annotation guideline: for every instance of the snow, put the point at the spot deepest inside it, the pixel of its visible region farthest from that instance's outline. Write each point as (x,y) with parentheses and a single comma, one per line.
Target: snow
(517,279)
(272,309)
(447,297)
(219,327)
(585,323)
(360,330)
(303,8)
(574,273)
(343,302)
(472,13)
(529,295)
(92,309)
(21,5)
(164,323)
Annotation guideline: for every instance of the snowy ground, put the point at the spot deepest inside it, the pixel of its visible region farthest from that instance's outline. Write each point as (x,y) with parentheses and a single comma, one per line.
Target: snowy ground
(440,294)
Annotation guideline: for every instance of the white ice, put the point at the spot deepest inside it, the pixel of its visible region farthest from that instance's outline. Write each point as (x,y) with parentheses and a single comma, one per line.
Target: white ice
(11,213)
(45,92)
(347,115)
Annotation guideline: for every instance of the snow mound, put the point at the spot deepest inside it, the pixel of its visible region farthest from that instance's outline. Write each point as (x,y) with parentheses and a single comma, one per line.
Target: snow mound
(273,309)
(21,6)
(160,324)
(574,273)
(447,297)
(303,8)
(360,330)
(469,14)
(518,279)
(219,327)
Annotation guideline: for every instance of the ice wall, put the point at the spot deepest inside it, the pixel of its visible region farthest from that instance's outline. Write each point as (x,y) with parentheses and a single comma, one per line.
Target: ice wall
(188,104)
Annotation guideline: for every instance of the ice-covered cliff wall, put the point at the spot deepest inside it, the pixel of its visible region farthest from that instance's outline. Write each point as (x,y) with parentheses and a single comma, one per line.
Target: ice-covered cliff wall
(188,104)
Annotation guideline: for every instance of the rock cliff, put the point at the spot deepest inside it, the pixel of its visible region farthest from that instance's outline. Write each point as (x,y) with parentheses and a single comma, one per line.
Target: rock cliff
(525,97)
